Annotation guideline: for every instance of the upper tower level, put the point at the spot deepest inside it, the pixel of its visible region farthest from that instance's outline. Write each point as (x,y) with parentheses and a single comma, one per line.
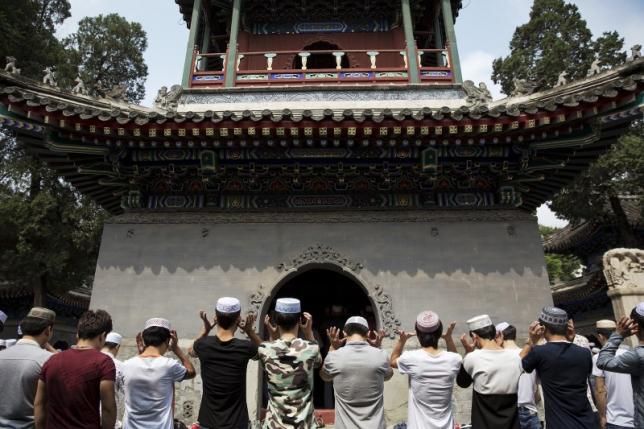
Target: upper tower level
(236,43)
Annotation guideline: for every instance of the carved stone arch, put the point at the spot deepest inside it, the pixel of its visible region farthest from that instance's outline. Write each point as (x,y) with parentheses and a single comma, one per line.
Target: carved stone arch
(325,257)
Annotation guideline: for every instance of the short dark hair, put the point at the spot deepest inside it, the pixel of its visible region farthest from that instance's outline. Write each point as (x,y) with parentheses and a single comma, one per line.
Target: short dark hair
(356,328)
(111,345)
(637,318)
(61,345)
(155,336)
(555,329)
(487,333)
(34,326)
(227,320)
(430,339)
(510,333)
(287,321)
(93,324)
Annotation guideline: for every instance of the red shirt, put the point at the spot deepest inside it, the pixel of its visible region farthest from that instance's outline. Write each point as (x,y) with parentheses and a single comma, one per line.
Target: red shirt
(73,380)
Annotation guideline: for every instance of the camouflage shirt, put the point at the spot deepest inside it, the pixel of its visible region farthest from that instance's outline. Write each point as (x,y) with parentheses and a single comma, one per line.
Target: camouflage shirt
(289,367)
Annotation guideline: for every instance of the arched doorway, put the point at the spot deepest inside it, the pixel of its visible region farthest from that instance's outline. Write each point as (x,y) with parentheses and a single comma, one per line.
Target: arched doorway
(320,61)
(331,296)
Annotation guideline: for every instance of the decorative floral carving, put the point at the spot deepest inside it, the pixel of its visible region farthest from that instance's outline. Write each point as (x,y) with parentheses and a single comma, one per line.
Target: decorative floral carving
(386,311)
(256,301)
(624,268)
(321,254)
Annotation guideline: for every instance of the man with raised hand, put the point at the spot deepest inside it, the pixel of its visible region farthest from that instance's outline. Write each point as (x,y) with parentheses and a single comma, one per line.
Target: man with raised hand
(150,378)
(431,371)
(77,384)
(224,360)
(289,363)
(613,391)
(630,362)
(358,371)
(495,374)
(20,368)
(563,369)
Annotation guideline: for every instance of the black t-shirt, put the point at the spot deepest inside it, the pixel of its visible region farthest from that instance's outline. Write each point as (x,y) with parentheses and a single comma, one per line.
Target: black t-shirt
(563,369)
(223,371)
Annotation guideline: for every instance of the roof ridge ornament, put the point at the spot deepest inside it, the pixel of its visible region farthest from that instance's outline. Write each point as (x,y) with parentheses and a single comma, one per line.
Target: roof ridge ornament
(79,88)
(168,100)
(636,53)
(595,68)
(523,87)
(11,67)
(562,80)
(50,77)
(477,96)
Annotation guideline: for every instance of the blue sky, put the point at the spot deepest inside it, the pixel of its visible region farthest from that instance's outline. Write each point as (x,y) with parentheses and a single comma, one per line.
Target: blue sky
(483,30)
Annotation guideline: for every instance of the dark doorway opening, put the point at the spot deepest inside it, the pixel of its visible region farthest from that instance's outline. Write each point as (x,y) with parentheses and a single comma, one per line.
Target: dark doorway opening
(331,297)
(320,61)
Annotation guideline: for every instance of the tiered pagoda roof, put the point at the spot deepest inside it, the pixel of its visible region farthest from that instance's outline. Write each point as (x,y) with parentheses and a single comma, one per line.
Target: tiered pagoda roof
(322,148)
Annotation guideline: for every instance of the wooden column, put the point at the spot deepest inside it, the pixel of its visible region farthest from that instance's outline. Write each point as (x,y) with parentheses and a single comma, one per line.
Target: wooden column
(192,40)
(438,39)
(412,56)
(231,62)
(205,42)
(448,21)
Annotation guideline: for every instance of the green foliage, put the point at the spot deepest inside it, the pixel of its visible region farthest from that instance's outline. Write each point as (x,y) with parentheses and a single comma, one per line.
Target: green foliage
(49,233)
(561,268)
(108,50)
(556,39)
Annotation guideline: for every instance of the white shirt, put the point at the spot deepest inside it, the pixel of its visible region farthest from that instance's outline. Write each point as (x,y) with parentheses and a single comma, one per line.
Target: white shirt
(119,388)
(149,390)
(619,405)
(431,381)
(527,388)
(494,372)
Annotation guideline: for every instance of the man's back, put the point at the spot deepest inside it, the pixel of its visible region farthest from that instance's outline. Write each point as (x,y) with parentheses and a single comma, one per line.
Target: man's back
(359,372)
(619,395)
(563,370)
(20,367)
(289,367)
(223,371)
(72,379)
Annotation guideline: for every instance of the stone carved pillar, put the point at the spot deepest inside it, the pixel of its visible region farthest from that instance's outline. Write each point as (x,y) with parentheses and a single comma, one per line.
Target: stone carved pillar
(305,58)
(624,271)
(338,60)
(269,60)
(373,55)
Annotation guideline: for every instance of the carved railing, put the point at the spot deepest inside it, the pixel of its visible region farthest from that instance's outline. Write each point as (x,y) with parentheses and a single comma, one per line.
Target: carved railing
(303,67)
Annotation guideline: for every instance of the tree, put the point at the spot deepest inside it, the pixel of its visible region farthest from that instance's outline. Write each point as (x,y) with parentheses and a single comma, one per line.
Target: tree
(556,39)
(596,194)
(108,49)
(560,267)
(49,233)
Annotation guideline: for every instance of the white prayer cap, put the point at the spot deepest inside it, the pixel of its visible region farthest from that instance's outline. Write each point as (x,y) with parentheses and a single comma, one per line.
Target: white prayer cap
(639,309)
(358,321)
(605,324)
(427,321)
(288,306)
(502,326)
(113,337)
(158,322)
(10,343)
(228,305)
(479,322)
(554,316)
(3,317)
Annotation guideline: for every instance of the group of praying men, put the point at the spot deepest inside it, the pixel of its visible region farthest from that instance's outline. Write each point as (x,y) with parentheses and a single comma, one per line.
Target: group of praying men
(88,387)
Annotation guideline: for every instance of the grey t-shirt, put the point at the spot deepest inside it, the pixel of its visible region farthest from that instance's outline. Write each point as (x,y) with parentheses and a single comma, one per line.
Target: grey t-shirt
(20,368)
(359,373)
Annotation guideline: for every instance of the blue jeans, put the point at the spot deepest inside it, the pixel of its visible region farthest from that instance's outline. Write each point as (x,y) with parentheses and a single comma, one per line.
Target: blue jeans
(528,419)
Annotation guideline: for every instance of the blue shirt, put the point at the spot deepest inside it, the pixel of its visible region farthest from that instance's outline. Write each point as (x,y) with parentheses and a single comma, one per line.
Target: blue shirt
(630,362)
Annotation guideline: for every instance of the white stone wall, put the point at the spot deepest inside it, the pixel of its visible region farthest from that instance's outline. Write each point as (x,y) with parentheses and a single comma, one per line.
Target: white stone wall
(458,265)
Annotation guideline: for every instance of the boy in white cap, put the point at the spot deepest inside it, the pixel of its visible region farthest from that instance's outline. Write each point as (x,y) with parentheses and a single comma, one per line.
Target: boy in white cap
(495,374)
(432,373)
(630,362)
(563,369)
(289,363)
(150,377)
(76,387)
(224,360)
(527,393)
(613,391)
(20,368)
(358,372)
(111,349)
